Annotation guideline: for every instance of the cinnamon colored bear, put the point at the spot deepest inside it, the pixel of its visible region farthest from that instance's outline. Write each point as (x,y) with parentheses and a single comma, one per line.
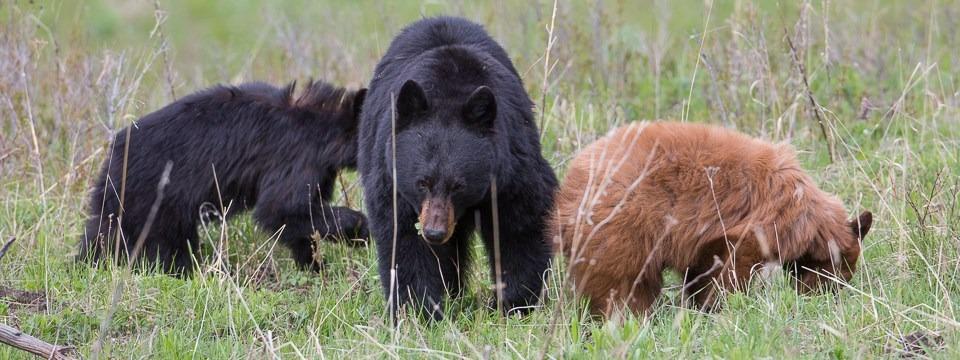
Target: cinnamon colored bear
(710,203)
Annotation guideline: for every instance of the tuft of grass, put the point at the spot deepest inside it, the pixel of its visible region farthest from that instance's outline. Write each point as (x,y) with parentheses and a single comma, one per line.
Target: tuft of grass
(882,77)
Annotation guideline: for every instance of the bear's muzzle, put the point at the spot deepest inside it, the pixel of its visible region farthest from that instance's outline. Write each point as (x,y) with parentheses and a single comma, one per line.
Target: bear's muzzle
(437,220)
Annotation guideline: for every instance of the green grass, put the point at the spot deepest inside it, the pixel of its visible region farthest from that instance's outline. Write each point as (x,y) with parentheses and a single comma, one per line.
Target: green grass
(884,72)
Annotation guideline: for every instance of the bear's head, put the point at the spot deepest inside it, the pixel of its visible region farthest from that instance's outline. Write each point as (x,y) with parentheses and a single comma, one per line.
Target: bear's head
(828,260)
(445,154)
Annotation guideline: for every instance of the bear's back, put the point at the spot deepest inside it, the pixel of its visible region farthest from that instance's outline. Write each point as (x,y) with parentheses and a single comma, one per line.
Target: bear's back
(680,183)
(237,132)
(220,104)
(681,158)
(436,32)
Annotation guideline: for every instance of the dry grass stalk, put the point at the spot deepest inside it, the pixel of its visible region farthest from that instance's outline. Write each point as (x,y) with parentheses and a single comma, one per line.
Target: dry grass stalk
(808,92)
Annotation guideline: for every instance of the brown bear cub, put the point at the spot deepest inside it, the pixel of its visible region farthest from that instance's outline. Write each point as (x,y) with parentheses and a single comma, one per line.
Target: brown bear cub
(713,204)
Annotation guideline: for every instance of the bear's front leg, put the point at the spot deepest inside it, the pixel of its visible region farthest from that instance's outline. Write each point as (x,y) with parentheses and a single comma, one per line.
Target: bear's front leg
(521,252)
(718,273)
(416,275)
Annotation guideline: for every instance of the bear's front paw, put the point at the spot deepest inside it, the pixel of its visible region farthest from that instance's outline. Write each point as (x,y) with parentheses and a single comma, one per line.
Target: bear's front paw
(359,234)
(317,265)
(304,256)
(348,226)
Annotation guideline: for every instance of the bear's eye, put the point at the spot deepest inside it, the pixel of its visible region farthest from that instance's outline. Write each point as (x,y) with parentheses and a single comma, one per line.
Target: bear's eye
(423,185)
(457,186)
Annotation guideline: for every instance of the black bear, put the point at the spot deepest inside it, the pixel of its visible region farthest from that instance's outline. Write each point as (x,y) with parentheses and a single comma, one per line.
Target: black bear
(235,148)
(448,144)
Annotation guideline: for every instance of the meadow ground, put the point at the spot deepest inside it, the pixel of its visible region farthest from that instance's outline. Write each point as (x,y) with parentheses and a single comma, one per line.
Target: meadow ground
(867,91)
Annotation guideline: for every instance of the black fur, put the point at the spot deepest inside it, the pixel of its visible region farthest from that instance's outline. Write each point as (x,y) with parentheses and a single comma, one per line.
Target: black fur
(462,118)
(235,148)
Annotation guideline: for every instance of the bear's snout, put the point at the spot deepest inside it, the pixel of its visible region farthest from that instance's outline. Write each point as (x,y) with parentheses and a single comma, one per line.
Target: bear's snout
(436,236)
(437,220)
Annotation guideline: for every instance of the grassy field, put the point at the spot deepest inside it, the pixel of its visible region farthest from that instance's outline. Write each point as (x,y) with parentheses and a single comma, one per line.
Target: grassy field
(867,91)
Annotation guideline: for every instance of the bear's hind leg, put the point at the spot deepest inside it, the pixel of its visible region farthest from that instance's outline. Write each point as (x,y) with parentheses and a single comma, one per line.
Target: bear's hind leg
(172,247)
(94,244)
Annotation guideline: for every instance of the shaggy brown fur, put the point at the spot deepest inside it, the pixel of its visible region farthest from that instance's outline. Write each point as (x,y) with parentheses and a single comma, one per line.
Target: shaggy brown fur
(710,203)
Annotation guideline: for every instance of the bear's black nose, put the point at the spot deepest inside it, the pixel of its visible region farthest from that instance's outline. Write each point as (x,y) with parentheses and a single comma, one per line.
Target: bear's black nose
(435,236)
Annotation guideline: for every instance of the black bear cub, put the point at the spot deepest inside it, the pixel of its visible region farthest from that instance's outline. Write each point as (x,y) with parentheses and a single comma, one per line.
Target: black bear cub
(234,148)
(467,156)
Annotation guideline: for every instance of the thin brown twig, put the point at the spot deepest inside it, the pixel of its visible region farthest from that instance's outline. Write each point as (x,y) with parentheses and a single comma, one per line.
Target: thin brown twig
(164,180)
(498,269)
(924,211)
(123,191)
(6,154)
(393,293)
(685,111)
(160,17)
(6,246)
(809,93)
(343,191)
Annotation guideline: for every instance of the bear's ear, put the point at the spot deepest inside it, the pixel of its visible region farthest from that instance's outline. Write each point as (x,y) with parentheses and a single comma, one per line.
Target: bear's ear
(861,225)
(481,108)
(358,98)
(411,101)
